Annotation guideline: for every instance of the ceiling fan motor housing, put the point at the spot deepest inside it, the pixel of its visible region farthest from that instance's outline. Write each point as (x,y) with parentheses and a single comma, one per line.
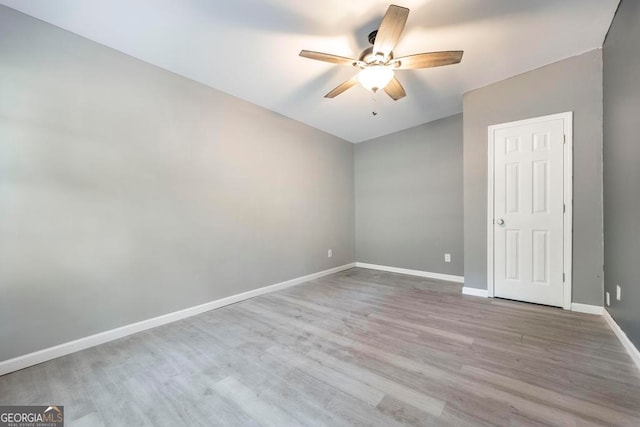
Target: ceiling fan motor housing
(370,58)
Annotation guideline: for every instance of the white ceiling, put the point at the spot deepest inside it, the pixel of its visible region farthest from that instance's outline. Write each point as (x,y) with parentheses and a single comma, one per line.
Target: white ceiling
(249,48)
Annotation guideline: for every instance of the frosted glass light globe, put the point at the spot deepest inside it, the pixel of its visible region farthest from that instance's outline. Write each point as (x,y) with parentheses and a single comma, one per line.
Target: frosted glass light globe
(375,77)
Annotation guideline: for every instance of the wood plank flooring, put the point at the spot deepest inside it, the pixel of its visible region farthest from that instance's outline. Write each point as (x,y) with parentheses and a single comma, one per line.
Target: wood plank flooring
(360,347)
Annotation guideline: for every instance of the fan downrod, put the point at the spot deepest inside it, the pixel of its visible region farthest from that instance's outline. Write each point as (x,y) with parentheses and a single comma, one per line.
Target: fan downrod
(372,36)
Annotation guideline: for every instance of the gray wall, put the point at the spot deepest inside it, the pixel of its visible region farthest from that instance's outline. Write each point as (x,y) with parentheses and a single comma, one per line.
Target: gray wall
(127,192)
(574,84)
(622,167)
(409,198)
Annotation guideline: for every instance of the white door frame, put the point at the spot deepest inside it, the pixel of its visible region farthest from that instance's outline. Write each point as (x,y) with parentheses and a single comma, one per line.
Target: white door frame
(568,200)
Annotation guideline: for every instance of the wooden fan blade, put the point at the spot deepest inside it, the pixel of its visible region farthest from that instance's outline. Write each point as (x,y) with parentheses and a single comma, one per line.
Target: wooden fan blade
(428,60)
(342,87)
(390,29)
(327,57)
(395,90)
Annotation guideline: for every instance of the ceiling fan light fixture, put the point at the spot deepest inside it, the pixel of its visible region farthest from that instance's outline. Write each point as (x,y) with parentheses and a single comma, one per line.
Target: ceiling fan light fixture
(377,63)
(375,77)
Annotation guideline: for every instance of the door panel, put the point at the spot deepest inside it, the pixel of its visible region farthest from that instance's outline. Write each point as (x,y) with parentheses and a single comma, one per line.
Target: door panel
(540,187)
(540,256)
(512,252)
(512,187)
(528,211)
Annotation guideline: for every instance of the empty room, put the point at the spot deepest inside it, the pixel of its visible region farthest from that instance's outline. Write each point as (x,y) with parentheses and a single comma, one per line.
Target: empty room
(287,213)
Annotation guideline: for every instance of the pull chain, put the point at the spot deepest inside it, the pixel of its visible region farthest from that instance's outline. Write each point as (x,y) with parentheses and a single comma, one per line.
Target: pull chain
(374,104)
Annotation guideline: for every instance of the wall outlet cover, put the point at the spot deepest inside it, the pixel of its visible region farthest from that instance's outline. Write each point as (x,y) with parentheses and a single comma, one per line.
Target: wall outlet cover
(329,253)
(447,257)
(607,298)
(618,292)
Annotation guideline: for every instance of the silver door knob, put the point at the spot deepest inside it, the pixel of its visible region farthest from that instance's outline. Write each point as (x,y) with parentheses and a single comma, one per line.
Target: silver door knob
(500,221)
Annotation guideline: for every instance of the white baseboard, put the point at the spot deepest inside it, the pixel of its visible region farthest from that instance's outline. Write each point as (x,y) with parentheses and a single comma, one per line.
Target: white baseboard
(475,292)
(589,309)
(624,339)
(439,276)
(40,356)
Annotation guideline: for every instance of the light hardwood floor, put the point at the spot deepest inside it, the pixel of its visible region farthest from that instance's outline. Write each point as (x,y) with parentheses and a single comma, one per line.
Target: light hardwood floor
(360,347)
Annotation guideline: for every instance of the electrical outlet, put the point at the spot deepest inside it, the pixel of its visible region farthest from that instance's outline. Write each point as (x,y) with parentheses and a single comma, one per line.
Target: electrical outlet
(607,298)
(447,257)
(329,253)
(618,292)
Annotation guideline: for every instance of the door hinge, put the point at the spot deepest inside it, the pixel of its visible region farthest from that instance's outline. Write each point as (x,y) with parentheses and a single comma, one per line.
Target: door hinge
(563,278)
(564,208)
(564,139)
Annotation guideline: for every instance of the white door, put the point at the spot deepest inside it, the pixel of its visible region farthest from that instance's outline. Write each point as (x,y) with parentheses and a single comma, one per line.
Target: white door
(528,210)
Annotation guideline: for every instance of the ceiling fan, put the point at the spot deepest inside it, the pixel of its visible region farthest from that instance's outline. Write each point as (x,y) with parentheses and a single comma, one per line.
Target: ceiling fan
(377,64)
